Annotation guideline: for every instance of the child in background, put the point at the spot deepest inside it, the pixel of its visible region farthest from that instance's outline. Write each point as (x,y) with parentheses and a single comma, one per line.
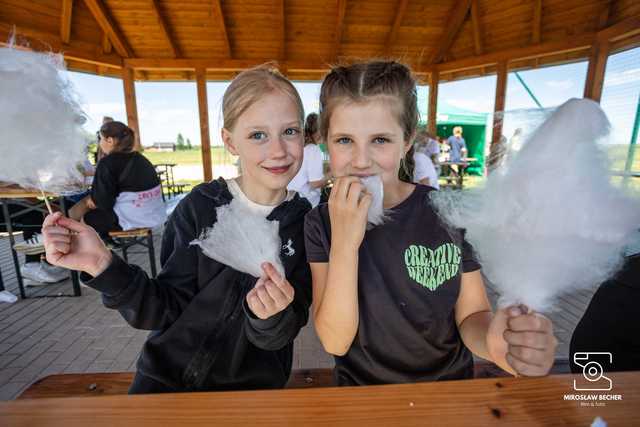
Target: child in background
(310,179)
(404,301)
(214,328)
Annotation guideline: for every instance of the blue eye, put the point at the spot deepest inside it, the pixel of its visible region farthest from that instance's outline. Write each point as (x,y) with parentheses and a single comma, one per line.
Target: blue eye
(258,136)
(291,131)
(380,140)
(343,141)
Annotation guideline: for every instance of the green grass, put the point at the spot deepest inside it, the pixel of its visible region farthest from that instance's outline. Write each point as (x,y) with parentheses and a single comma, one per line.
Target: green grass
(219,156)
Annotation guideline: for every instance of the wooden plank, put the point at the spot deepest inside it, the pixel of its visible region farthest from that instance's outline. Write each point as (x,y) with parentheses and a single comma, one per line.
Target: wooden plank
(217,64)
(397,20)
(218,22)
(623,29)
(432,111)
(452,26)
(203,110)
(536,22)
(109,26)
(164,27)
(130,103)
(498,109)
(477,28)
(342,8)
(603,19)
(282,31)
(65,21)
(595,72)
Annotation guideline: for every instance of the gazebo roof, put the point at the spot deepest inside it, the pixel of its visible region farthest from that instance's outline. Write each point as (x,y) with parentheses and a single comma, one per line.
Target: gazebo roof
(169,39)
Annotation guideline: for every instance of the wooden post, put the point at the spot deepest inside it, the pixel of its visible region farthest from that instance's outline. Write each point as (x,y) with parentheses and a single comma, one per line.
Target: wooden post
(201,82)
(128,82)
(498,109)
(432,111)
(595,73)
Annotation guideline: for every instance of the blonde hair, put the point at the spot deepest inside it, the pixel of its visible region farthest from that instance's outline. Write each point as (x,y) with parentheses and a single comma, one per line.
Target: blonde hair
(250,86)
(457,130)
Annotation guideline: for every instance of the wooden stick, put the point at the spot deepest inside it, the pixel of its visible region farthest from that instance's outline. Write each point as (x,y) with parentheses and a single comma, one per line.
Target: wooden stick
(46,201)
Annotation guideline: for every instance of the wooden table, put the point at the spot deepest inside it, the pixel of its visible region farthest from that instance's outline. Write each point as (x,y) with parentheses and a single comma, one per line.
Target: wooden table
(504,401)
(451,175)
(24,197)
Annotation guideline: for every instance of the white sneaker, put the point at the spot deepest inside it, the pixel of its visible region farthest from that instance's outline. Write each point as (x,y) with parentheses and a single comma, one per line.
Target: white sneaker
(58,273)
(36,275)
(6,296)
(31,246)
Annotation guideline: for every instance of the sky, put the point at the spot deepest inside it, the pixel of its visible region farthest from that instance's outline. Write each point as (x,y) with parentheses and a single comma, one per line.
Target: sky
(168,108)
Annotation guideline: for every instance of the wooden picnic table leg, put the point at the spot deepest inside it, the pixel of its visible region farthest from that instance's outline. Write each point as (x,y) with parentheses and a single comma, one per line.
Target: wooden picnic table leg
(75,280)
(12,241)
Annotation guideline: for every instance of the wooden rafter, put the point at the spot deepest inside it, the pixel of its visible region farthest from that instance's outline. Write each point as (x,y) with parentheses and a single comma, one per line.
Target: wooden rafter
(397,20)
(107,47)
(342,8)
(536,22)
(164,27)
(65,21)
(603,19)
(109,26)
(282,46)
(477,28)
(218,18)
(452,26)
(595,72)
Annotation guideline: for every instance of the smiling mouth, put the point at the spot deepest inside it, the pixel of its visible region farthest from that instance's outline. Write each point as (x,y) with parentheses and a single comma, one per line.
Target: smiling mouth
(279,170)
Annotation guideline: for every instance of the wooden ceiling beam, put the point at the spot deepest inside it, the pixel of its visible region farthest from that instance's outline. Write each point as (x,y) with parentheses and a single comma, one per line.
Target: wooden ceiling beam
(218,21)
(578,42)
(477,28)
(452,26)
(218,64)
(107,47)
(46,42)
(397,20)
(109,26)
(65,21)
(536,22)
(164,28)
(342,9)
(623,29)
(603,18)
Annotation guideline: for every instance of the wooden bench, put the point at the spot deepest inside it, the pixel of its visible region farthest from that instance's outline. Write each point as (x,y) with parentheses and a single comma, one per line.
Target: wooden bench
(104,384)
(137,236)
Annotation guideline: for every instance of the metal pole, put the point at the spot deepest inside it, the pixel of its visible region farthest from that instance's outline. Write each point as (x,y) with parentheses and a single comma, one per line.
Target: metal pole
(632,145)
(528,90)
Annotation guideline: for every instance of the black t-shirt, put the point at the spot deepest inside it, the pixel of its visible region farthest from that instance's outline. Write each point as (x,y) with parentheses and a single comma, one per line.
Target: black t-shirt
(120,172)
(408,283)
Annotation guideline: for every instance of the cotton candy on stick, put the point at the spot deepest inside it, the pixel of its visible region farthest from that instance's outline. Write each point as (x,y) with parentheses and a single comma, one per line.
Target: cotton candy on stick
(376,214)
(242,239)
(551,222)
(40,122)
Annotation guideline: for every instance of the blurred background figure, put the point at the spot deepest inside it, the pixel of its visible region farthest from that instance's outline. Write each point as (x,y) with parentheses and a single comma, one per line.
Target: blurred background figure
(310,178)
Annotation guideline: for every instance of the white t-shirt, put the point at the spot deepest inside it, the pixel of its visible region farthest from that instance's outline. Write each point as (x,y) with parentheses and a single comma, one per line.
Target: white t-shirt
(140,209)
(237,193)
(311,170)
(424,169)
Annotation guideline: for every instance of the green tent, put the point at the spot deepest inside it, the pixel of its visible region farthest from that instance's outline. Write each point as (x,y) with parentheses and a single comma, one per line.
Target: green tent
(473,131)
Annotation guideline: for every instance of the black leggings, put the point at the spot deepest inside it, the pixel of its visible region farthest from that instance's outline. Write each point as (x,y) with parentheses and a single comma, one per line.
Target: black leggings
(102,221)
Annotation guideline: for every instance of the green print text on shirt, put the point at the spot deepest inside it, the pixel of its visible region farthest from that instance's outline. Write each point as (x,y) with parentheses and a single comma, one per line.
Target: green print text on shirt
(431,268)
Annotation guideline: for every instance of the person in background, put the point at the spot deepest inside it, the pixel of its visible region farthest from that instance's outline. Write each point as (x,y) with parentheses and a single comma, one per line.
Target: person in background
(126,190)
(608,323)
(458,145)
(424,172)
(310,179)
(99,154)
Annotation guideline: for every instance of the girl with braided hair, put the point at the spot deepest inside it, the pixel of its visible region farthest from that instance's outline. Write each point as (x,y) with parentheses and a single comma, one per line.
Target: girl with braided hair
(403,301)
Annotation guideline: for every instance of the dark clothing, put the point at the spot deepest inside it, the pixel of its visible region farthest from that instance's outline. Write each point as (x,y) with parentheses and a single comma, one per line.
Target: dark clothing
(204,337)
(610,323)
(117,173)
(408,283)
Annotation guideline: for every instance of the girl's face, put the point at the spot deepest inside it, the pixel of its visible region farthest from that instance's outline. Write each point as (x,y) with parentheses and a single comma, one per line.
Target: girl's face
(106,144)
(366,139)
(268,139)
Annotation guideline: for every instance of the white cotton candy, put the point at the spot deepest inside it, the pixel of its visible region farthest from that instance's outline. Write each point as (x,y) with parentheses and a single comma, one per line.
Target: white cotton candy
(376,214)
(42,138)
(242,239)
(550,222)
